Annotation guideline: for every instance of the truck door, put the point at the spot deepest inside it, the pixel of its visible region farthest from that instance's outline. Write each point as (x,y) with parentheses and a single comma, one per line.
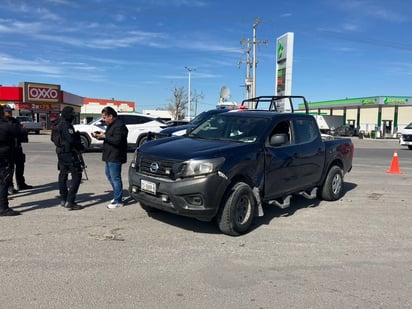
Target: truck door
(310,152)
(281,167)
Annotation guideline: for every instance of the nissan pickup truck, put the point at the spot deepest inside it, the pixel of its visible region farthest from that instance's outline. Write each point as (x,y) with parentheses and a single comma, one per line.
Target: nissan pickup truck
(232,164)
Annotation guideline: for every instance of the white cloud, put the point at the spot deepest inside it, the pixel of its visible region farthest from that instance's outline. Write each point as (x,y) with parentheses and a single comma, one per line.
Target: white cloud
(371,8)
(8,63)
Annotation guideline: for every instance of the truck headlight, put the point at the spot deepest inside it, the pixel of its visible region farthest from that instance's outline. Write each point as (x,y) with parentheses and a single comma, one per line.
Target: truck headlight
(201,167)
(134,161)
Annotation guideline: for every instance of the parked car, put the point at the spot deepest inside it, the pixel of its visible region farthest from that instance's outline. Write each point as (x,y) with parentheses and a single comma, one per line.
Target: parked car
(344,130)
(180,130)
(138,125)
(30,125)
(174,123)
(406,136)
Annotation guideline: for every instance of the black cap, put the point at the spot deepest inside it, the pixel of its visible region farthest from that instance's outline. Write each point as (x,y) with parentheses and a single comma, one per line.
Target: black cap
(68,113)
(7,108)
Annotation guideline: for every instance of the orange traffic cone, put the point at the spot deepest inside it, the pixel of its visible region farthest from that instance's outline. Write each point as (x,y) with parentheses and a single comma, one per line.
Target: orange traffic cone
(394,169)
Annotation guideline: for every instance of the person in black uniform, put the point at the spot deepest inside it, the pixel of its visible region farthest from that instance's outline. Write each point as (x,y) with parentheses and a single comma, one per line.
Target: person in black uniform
(69,159)
(8,134)
(18,156)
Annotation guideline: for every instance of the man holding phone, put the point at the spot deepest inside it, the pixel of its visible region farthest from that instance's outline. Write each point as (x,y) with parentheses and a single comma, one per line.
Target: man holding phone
(114,152)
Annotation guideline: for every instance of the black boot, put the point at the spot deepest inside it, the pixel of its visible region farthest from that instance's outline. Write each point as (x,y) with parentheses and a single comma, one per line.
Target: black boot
(9,212)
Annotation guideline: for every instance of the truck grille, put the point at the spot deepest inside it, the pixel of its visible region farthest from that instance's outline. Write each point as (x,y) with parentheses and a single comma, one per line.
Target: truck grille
(407,137)
(159,167)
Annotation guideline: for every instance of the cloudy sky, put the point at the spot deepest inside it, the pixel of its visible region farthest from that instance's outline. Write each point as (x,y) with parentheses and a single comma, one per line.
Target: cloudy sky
(138,50)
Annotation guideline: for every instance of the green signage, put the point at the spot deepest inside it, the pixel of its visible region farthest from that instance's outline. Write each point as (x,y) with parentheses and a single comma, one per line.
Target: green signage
(280,50)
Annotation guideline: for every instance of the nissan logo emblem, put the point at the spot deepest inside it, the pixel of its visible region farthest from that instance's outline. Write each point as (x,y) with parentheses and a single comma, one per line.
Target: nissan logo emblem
(154,167)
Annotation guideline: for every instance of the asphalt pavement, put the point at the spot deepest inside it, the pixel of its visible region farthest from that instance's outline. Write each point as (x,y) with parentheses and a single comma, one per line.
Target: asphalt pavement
(352,253)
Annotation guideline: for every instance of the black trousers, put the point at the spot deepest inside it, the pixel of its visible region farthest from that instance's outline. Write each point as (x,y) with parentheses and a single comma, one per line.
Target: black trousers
(5,176)
(19,167)
(68,188)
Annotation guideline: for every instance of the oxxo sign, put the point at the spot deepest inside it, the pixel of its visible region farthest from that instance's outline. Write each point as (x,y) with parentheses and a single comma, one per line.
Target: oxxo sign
(41,93)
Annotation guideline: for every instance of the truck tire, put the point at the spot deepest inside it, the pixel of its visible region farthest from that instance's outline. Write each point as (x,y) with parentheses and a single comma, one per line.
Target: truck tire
(236,214)
(333,185)
(85,142)
(142,140)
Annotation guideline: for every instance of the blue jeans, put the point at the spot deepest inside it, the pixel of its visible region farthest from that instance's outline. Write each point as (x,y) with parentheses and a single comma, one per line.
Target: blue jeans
(114,175)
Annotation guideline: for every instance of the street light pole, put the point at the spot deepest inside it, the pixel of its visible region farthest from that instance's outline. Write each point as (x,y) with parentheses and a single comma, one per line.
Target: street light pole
(189,70)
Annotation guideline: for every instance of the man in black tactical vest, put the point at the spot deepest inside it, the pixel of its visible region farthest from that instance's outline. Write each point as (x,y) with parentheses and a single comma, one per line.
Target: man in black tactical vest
(8,135)
(68,149)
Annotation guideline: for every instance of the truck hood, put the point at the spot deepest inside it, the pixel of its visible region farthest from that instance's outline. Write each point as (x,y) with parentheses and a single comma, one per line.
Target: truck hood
(185,148)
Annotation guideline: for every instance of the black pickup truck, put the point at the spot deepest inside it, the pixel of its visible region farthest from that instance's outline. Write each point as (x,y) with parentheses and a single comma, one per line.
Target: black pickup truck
(233,163)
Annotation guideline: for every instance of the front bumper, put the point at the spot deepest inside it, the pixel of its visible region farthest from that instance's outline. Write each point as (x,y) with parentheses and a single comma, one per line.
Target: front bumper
(405,140)
(197,197)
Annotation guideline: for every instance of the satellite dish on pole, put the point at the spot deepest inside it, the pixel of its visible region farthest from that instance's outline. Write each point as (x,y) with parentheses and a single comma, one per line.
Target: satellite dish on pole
(224,93)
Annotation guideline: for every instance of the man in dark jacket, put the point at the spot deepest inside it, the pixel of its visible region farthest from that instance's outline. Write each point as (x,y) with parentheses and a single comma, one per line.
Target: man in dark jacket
(8,134)
(68,151)
(19,157)
(114,152)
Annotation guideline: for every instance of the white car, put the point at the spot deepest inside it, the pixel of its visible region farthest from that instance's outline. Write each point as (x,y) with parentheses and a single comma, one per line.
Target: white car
(406,136)
(138,125)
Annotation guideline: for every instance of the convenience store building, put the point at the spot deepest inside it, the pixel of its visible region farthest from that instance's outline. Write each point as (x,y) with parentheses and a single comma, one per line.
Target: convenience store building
(44,102)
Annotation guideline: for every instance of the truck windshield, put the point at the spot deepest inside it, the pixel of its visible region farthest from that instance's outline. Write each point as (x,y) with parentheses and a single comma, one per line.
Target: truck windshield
(236,129)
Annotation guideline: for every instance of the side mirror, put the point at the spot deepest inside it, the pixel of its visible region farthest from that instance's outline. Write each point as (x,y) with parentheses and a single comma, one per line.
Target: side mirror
(278,139)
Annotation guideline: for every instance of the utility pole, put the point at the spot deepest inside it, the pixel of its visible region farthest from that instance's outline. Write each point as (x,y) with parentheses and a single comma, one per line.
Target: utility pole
(257,21)
(250,82)
(189,70)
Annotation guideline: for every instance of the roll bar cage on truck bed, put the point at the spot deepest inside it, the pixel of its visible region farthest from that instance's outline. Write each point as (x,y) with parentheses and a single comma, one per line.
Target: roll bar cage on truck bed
(280,103)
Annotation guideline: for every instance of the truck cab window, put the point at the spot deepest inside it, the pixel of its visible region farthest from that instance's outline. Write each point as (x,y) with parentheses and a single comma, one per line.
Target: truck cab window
(283,127)
(305,131)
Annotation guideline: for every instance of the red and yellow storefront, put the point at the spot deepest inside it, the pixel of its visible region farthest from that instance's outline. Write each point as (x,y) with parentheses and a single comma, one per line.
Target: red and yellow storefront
(42,102)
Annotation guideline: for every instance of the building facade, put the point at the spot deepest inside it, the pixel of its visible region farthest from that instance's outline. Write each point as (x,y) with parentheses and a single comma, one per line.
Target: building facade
(44,102)
(381,116)
(92,107)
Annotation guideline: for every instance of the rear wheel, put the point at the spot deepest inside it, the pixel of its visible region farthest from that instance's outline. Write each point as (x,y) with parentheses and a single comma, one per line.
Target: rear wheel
(333,186)
(142,140)
(237,213)
(409,147)
(85,142)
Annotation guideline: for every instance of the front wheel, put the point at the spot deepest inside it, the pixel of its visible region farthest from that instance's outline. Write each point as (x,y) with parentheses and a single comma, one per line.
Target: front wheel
(333,186)
(236,215)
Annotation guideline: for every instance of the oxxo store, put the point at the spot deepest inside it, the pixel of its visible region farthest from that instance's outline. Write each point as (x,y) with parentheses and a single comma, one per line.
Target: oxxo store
(42,102)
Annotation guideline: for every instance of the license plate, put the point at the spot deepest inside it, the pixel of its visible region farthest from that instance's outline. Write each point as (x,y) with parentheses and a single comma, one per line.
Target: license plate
(148,186)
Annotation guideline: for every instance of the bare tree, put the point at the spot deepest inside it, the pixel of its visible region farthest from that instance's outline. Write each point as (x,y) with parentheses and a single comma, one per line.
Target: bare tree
(178,103)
